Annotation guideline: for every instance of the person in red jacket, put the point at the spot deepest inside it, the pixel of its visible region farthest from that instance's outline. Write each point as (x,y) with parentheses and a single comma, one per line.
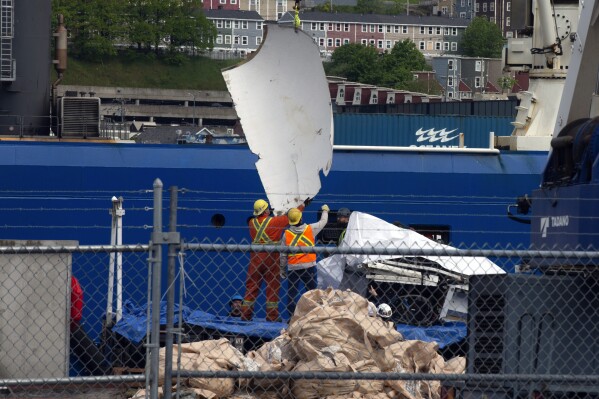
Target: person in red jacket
(265,266)
(83,348)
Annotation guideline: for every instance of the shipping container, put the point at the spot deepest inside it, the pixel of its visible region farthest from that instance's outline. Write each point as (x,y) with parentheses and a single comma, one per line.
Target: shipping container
(418,130)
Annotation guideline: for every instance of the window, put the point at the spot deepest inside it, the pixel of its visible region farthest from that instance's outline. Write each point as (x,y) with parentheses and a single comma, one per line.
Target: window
(492,20)
(507,21)
(258,40)
(447,31)
(338,27)
(437,45)
(364,28)
(371,42)
(219,24)
(389,28)
(321,41)
(450,94)
(509,34)
(233,1)
(484,7)
(222,1)
(404,29)
(450,81)
(372,28)
(478,66)
(454,46)
(338,42)
(476,7)
(330,42)
(357,96)
(450,65)
(463,3)
(322,26)
(219,39)
(381,28)
(388,44)
(422,30)
(421,45)
(415,77)
(477,81)
(346,27)
(227,24)
(313,26)
(345,41)
(396,28)
(331,26)
(390,98)
(375,99)
(438,30)
(259,25)
(491,6)
(227,39)
(462,15)
(444,10)
(236,39)
(244,40)
(380,44)
(244,24)
(430,30)
(454,31)
(446,46)
(508,6)
(236,24)
(364,42)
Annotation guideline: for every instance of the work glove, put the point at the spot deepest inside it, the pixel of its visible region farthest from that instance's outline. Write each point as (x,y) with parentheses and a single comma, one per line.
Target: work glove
(325,208)
(307,201)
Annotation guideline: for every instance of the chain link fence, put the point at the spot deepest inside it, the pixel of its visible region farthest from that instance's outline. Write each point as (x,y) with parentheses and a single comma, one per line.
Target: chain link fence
(393,314)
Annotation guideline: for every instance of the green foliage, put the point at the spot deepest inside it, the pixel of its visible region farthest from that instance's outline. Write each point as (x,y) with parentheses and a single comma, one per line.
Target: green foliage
(146,70)
(506,82)
(96,26)
(364,64)
(482,39)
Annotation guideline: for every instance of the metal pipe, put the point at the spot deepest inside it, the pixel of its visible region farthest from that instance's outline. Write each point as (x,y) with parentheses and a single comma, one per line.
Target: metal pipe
(156,270)
(170,298)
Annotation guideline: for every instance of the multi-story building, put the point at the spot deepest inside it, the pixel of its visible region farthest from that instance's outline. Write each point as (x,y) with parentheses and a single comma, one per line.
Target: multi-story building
(433,35)
(238,32)
(270,10)
(498,12)
(220,4)
(466,77)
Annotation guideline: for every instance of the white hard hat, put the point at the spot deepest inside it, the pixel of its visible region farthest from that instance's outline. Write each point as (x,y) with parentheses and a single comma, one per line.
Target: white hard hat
(384,311)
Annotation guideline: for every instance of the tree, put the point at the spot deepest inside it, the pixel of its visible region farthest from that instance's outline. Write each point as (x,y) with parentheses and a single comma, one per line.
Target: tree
(506,82)
(482,39)
(355,62)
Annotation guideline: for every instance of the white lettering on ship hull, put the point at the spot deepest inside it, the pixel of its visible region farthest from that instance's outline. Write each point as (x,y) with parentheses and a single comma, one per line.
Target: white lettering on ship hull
(432,135)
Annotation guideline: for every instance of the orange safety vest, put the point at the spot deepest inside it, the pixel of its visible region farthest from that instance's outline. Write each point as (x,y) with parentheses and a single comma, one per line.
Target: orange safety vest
(261,236)
(305,239)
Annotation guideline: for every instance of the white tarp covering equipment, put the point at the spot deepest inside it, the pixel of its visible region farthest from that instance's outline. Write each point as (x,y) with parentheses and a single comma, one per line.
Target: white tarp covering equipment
(282,98)
(366,230)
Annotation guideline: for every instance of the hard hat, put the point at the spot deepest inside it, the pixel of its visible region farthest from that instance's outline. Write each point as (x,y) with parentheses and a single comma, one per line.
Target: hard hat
(259,207)
(384,310)
(343,212)
(294,215)
(236,298)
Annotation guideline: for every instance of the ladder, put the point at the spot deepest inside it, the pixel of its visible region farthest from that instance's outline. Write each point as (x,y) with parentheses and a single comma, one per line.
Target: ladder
(7,63)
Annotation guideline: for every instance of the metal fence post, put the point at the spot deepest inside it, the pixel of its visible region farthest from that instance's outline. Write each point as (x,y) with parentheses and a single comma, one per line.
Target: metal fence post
(156,270)
(170,299)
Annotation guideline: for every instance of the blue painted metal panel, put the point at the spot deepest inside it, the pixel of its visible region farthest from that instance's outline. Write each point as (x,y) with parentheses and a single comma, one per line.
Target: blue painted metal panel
(418,130)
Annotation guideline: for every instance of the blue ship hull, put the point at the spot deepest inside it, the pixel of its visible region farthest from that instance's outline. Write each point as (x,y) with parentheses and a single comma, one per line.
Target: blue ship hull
(63,191)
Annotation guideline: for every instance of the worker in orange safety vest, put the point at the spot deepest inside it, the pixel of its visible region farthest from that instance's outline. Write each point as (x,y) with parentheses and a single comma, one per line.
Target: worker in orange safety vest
(302,266)
(264,266)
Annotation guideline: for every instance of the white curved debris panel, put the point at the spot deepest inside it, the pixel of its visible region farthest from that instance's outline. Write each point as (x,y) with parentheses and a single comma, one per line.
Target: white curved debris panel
(282,98)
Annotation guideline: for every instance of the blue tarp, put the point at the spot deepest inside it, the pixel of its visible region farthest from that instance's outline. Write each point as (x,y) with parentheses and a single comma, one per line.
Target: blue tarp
(446,334)
(133,326)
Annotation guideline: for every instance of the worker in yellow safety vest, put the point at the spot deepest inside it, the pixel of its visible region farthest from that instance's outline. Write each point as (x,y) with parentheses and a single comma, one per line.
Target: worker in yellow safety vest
(301,266)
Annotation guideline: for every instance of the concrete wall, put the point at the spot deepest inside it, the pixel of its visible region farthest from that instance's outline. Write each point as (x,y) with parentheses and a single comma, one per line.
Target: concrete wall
(35,312)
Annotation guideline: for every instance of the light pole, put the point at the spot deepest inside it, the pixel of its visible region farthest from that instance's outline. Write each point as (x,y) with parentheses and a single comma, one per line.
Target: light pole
(193,120)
